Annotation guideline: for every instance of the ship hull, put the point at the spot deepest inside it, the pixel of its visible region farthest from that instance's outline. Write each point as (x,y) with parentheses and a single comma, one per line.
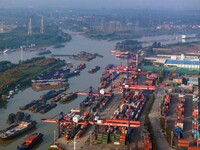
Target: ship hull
(19,132)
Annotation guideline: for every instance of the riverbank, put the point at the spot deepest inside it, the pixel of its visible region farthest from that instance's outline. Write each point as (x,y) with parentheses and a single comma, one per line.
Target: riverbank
(22,73)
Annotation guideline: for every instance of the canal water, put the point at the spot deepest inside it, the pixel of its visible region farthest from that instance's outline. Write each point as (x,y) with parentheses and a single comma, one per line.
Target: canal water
(79,83)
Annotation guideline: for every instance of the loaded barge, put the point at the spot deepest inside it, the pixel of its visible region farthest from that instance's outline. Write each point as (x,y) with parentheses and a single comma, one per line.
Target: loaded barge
(17,129)
(30,141)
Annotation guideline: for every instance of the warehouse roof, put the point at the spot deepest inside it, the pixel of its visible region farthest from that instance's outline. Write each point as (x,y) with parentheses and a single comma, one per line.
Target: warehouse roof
(184,62)
(192,79)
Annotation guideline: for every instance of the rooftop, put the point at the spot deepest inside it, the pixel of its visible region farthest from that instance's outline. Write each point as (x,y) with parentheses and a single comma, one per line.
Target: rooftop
(184,62)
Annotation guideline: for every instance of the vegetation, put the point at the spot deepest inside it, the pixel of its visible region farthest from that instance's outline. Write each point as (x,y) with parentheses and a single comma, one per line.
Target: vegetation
(171,69)
(147,122)
(149,49)
(19,37)
(128,45)
(5,65)
(23,73)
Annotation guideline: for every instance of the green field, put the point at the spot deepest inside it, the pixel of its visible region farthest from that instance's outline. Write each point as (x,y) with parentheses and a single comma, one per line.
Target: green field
(171,69)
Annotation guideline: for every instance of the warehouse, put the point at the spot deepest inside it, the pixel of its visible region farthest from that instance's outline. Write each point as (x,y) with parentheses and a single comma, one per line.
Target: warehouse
(183,63)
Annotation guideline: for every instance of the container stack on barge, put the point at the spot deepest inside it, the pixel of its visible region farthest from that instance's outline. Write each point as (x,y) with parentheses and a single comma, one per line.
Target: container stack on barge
(17,129)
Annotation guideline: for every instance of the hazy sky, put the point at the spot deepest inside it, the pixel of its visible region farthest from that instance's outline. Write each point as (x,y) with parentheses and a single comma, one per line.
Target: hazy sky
(134,4)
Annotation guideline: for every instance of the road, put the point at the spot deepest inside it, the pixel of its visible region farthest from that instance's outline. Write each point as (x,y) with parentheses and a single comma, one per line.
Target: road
(161,141)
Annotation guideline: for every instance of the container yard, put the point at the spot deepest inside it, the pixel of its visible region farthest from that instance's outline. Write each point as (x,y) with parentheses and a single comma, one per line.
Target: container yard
(110,113)
(179,111)
(114,115)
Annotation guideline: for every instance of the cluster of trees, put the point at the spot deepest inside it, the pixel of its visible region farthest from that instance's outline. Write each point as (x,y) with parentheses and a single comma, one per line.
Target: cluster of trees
(128,45)
(5,65)
(23,73)
(18,37)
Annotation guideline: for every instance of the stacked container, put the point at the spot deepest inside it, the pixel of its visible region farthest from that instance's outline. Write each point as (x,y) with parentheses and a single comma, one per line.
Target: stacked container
(180,116)
(195,120)
(165,105)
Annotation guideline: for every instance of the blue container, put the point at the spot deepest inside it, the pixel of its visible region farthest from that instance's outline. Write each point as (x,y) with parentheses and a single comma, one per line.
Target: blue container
(178,75)
(166,72)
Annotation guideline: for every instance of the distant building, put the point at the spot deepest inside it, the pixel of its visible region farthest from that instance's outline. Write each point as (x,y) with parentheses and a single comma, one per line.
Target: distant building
(194,64)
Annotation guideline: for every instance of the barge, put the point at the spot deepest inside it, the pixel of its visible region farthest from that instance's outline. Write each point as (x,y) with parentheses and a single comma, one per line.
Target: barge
(93,69)
(30,141)
(17,129)
(68,97)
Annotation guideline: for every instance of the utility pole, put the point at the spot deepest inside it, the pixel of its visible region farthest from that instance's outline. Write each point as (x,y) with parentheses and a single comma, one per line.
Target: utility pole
(22,58)
(75,142)
(90,138)
(42,26)
(30,32)
(165,123)
(172,136)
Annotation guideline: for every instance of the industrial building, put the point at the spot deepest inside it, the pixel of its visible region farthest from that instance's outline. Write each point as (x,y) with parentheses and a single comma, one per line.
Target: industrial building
(193,81)
(193,64)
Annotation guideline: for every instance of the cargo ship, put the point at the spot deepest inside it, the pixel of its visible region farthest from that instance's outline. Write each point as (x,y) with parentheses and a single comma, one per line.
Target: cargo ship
(30,141)
(17,129)
(93,69)
(49,85)
(51,94)
(115,52)
(68,97)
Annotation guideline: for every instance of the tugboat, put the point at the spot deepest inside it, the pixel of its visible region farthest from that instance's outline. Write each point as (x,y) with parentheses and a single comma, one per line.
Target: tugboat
(68,97)
(17,129)
(81,66)
(93,69)
(30,141)
(69,65)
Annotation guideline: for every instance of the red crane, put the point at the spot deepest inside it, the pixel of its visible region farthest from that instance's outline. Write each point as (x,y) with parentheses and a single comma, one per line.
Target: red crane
(137,87)
(118,123)
(91,92)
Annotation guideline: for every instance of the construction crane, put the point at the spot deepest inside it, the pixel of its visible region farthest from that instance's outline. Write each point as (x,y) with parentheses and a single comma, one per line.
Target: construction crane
(60,119)
(93,92)
(137,87)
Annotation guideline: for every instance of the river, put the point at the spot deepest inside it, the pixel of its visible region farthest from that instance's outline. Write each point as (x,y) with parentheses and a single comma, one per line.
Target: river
(79,83)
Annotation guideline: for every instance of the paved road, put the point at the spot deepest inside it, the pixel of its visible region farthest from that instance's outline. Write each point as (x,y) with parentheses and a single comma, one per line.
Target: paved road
(161,141)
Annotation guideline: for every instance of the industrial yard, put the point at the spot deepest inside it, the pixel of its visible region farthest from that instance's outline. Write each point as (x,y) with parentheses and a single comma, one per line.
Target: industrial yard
(172,114)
